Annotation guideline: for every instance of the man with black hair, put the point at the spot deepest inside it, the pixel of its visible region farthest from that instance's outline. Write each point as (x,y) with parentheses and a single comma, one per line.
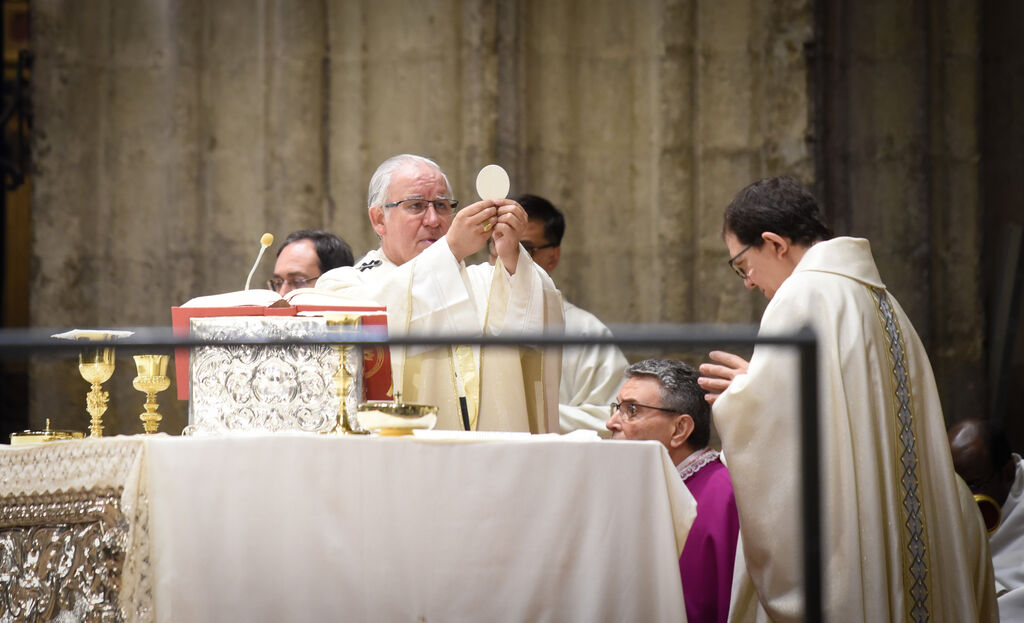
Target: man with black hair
(661,401)
(304,256)
(590,374)
(901,536)
(982,457)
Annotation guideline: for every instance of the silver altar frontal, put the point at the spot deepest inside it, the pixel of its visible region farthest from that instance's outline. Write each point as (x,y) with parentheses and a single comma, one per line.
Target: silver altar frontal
(287,388)
(74,532)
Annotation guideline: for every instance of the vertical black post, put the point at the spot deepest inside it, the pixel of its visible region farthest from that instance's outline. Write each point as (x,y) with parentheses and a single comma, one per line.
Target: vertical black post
(4,151)
(811,472)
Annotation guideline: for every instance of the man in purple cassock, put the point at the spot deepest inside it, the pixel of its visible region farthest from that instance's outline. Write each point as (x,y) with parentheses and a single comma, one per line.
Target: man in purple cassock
(661,401)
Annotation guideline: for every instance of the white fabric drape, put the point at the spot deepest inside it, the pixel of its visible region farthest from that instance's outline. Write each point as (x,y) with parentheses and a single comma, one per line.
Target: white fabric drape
(319,529)
(591,375)
(1008,551)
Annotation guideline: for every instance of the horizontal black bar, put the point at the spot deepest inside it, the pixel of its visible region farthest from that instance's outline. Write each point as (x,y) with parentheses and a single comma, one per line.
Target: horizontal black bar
(20,342)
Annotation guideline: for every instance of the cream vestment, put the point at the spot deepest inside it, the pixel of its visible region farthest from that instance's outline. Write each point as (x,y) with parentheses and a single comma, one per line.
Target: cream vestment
(902,539)
(506,389)
(591,375)
(1008,551)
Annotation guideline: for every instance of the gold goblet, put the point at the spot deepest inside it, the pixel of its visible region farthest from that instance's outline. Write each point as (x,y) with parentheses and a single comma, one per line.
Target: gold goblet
(152,379)
(96,364)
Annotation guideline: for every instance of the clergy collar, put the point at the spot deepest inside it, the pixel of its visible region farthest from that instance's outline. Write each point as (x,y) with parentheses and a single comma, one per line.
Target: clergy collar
(849,257)
(695,462)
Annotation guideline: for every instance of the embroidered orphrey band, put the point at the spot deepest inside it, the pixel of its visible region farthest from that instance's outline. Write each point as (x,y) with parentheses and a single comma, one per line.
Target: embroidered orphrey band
(911,510)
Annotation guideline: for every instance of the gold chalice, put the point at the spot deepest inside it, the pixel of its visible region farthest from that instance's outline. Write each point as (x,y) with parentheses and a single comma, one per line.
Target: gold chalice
(152,379)
(96,364)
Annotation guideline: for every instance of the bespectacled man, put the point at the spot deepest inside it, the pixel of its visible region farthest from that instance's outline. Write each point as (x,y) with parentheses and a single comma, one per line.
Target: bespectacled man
(304,256)
(419,273)
(661,401)
(892,507)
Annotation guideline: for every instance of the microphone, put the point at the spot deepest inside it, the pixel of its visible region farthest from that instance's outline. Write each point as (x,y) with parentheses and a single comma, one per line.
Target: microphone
(265,241)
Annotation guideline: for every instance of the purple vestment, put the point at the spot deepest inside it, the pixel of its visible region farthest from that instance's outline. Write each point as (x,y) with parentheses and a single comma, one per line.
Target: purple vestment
(708,557)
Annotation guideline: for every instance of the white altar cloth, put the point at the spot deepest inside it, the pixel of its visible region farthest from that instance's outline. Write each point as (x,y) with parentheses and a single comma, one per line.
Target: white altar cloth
(307,528)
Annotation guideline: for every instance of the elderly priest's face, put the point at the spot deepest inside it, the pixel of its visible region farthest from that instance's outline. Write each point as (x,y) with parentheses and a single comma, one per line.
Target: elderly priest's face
(403,234)
(640,416)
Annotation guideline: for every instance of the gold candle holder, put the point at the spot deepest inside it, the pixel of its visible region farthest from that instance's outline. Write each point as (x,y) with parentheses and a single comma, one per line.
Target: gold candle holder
(344,381)
(96,365)
(151,380)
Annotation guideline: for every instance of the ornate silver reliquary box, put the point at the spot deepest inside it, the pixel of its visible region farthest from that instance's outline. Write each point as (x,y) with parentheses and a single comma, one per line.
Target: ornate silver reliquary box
(263,388)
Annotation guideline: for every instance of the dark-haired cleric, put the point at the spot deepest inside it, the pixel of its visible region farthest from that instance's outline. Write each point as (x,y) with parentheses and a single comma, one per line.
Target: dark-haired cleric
(902,539)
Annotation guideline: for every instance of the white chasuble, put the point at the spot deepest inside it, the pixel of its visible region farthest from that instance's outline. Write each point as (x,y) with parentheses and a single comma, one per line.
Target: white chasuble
(591,375)
(506,388)
(902,539)
(1008,551)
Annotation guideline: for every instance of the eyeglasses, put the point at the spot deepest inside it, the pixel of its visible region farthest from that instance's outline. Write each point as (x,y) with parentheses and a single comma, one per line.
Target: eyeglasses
(628,409)
(417,206)
(533,250)
(295,282)
(739,271)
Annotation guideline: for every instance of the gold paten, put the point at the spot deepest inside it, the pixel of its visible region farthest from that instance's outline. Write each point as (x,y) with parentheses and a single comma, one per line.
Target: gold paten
(151,380)
(39,436)
(345,380)
(96,364)
(396,418)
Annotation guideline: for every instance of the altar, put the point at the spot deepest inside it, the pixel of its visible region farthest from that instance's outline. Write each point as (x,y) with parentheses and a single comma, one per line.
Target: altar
(457,527)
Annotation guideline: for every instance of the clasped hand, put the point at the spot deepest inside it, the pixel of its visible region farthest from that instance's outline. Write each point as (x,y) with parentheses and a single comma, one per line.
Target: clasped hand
(468,234)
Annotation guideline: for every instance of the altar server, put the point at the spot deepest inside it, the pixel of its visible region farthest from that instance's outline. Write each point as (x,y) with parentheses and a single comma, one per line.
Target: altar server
(982,456)
(420,274)
(902,538)
(304,256)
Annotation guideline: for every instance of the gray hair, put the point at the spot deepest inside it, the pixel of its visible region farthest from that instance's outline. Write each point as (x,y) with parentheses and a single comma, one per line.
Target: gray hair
(381,179)
(679,392)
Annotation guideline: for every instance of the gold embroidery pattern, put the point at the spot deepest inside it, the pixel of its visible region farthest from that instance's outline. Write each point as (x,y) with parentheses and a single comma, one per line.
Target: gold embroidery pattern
(916,555)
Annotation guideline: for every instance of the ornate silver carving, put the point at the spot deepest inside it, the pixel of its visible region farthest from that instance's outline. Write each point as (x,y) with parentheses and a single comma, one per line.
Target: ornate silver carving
(62,556)
(74,532)
(262,388)
(912,511)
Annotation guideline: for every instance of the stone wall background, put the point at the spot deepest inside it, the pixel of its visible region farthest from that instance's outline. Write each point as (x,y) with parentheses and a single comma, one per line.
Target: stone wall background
(170,134)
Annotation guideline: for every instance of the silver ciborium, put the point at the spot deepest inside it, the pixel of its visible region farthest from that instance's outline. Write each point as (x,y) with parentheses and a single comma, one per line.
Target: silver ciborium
(152,379)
